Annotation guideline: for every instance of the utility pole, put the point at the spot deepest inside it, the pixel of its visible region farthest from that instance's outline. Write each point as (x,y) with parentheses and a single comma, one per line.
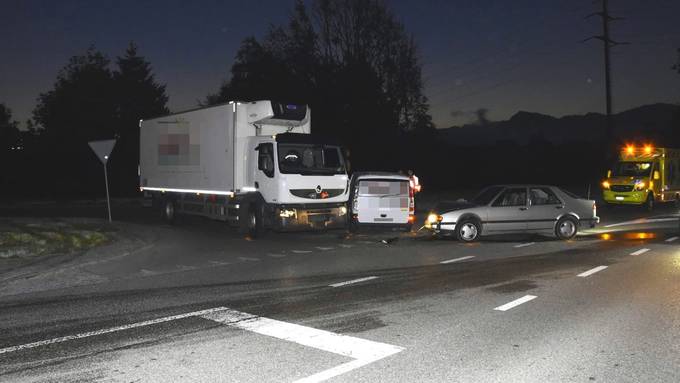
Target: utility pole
(607,44)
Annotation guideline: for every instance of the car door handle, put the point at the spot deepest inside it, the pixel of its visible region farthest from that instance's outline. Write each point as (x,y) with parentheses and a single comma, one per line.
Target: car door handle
(522,208)
(559,207)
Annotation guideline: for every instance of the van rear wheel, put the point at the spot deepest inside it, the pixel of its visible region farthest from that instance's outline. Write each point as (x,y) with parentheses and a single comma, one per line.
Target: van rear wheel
(649,204)
(168,210)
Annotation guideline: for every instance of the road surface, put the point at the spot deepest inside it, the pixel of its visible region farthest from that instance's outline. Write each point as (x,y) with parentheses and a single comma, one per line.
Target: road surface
(196,302)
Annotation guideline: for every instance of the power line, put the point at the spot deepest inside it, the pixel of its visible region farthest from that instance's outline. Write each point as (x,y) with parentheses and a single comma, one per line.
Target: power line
(607,43)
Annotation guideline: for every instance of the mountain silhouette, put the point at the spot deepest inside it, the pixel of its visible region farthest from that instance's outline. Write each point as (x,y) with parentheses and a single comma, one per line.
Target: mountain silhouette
(647,122)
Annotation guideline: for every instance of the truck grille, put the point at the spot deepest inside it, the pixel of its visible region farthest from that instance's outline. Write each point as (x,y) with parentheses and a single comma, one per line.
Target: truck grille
(622,188)
(312,194)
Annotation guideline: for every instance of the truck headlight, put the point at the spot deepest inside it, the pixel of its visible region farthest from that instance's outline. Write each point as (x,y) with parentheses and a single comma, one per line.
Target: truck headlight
(640,185)
(343,210)
(605,185)
(287,213)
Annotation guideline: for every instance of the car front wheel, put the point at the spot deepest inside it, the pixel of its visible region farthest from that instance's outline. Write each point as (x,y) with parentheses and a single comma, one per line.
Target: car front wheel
(468,231)
(566,228)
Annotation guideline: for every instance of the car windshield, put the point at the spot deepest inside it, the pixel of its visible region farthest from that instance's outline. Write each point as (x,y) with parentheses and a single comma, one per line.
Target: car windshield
(310,159)
(486,195)
(632,169)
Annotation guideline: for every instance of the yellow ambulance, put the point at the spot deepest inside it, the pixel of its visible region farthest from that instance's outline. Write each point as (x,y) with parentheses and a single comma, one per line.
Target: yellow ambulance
(643,175)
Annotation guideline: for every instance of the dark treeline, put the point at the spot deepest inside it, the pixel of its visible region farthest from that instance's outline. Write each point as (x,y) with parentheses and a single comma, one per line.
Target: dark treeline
(92,99)
(352,61)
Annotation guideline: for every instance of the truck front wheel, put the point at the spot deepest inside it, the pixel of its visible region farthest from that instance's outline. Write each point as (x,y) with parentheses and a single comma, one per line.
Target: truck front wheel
(253,224)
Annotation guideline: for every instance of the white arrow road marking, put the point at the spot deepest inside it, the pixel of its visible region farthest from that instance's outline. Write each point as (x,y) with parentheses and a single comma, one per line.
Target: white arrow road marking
(591,271)
(641,251)
(671,239)
(457,259)
(515,303)
(340,284)
(525,244)
(363,351)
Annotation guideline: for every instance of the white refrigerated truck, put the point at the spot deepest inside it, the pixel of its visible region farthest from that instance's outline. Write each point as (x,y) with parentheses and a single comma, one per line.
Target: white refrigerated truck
(254,164)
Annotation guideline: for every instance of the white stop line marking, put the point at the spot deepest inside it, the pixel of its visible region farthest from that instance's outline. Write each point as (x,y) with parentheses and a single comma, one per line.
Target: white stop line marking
(671,239)
(641,251)
(457,259)
(515,303)
(525,244)
(340,284)
(363,351)
(591,271)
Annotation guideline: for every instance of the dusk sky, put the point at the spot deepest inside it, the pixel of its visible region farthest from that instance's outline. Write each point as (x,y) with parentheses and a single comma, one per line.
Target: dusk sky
(503,56)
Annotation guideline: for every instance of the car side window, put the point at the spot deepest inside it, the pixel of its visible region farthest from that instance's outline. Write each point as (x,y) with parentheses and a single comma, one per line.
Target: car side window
(543,196)
(265,159)
(512,197)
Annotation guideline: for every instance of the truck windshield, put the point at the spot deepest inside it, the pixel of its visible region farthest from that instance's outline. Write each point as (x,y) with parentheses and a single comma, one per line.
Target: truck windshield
(310,159)
(632,169)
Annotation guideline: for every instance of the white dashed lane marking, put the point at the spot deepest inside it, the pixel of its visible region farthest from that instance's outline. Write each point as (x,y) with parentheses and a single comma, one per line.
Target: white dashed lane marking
(515,303)
(276,255)
(525,244)
(322,248)
(457,259)
(353,281)
(671,239)
(641,251)
(301,251)
(591,271)
(248,259)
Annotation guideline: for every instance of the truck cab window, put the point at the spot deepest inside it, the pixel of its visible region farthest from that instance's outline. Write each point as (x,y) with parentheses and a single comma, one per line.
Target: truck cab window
(265,159)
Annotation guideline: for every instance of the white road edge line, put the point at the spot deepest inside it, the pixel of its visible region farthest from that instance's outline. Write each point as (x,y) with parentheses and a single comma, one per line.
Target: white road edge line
(641,221)
(641,251)
(109,330)
(363,351)
(671,239)
(340,284)
(515,303)
(591,271)
(525,244)
(457,259)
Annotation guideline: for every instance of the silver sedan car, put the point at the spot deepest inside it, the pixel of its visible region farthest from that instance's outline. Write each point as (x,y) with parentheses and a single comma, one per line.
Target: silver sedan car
(504,209)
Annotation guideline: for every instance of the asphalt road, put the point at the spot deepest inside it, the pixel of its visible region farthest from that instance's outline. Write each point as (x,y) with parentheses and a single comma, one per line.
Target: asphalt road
(197,302)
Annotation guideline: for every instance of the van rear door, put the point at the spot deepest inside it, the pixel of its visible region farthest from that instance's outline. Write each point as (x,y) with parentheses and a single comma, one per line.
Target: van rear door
(382,201)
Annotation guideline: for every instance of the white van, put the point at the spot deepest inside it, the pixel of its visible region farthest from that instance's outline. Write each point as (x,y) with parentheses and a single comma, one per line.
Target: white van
(381,200)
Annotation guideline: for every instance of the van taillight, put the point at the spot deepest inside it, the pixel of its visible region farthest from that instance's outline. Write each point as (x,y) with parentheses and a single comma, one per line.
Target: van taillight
(411,201)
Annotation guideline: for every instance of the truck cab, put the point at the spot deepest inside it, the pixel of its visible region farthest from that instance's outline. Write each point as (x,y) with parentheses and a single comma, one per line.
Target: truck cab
(643,175)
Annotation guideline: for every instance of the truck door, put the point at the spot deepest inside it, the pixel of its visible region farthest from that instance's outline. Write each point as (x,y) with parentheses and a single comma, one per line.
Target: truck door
(265,182)
(544,209)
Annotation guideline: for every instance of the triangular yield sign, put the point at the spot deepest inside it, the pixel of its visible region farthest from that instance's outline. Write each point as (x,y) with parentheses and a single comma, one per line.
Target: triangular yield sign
(102,149)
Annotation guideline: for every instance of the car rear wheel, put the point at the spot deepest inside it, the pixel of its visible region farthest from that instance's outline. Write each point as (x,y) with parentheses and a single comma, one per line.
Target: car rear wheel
(468,230)
(566,228)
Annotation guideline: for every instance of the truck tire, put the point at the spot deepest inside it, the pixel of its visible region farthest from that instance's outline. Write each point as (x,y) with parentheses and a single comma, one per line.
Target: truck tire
(253,220)
(566,228)
(168,210)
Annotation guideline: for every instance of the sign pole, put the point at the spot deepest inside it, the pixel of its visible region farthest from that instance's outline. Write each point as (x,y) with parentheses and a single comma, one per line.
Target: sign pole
(108,200)
(103,150)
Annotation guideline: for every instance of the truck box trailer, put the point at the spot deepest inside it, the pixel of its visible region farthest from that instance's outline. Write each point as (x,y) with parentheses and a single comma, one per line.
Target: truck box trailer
(254,164)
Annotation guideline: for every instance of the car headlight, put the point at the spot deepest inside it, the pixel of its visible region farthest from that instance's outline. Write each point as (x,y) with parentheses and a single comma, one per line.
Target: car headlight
(433,218)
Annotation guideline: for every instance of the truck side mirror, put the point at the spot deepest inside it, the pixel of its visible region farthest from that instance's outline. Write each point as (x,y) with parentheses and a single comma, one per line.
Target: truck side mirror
(656,175)
(609,174)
